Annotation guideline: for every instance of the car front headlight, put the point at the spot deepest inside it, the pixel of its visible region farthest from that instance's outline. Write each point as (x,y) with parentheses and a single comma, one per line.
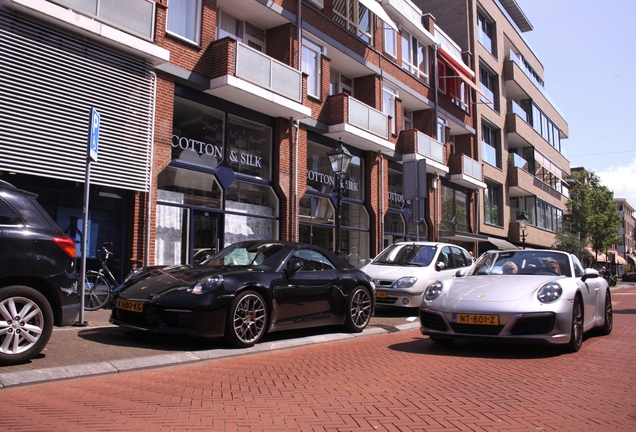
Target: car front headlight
(433,291)
(208,284)
(405,282)
(550,292)
(134,273)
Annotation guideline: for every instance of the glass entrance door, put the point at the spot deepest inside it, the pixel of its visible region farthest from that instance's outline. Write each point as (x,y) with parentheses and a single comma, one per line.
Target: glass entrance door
(183,232)
(205,230)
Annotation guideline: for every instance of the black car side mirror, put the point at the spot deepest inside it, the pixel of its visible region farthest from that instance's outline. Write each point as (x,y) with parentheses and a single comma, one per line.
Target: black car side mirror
(294,266)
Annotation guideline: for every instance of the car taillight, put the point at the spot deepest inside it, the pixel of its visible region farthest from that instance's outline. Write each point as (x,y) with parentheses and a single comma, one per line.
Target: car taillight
(66,244)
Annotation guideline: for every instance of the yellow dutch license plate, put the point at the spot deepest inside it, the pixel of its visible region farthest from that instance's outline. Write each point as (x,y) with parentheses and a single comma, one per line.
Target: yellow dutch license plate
(380,294)
(128,305)
(476,319)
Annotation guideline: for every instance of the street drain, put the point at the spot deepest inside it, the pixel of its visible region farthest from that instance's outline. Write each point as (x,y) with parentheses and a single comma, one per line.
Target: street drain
(389,328)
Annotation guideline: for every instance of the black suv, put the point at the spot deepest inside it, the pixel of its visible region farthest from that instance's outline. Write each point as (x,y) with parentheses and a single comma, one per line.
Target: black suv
(38,278)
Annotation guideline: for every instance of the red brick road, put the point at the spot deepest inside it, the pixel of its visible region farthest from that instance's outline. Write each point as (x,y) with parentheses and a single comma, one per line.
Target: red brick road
(388,382)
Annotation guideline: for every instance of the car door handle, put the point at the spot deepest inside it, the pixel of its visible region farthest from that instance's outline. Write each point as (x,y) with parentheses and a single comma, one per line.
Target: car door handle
(597,289)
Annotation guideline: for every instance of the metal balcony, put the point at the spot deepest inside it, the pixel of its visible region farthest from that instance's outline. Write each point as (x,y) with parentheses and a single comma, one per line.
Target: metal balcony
(466,171)
(253,79)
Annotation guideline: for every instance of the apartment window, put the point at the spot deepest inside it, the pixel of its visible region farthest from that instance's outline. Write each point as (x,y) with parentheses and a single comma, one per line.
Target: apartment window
(488,81)
(390,41)
(355,17)
(493,214)
(442,124)
(389,95)
(414,57)
(407,119)
(449,82)
(339,83)
(490,145)
(311,66)
(184,19)
(486,32)
(243,31)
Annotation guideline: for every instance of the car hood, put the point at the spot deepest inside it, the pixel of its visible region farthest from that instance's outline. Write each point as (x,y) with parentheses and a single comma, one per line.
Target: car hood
(496,288)
(175,278)
(391,271)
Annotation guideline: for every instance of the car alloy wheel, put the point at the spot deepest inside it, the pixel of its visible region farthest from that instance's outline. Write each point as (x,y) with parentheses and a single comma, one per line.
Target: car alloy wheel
(609,315)
(247,319)
(576,333)
(26,324)
(359,313)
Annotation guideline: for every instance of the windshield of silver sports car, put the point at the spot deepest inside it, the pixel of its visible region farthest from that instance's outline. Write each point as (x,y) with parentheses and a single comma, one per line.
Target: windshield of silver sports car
(524,262)
(406,255)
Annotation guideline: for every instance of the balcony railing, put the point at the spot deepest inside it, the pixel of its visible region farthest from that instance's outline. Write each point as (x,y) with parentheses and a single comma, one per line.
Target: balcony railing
(136,17)
(514,160)
(430,147)
(367,118)
(448,44)
(515,108)
(472,168)
(489,154)
(264,71)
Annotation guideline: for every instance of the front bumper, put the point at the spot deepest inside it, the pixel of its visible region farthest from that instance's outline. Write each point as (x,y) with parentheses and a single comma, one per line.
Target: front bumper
(172,320)
(398,297)
(549,326)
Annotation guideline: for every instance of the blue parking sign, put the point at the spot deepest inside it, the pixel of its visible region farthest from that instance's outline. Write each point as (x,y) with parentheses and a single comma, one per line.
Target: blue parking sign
(93,135)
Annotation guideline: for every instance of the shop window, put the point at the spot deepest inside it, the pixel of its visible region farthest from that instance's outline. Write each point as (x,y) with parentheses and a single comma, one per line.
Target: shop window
(184,20)
(249,147)
(251,212)
(197,134)
(396,189)
(320,176)
(188,187)
(316,209)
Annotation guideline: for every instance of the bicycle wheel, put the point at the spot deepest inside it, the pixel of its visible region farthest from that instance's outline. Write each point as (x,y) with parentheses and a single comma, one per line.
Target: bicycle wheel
(96,292)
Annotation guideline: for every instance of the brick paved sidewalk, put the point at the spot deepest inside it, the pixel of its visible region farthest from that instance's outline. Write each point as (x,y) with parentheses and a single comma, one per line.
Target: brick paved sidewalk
(384,382)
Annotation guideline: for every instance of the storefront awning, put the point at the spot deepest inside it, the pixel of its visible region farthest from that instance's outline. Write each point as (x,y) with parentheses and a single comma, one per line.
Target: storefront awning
(377,9)
(598,258)
(460,236)
(501,243)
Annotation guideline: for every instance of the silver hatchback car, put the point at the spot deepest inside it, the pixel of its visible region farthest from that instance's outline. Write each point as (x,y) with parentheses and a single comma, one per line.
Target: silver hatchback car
(404,270)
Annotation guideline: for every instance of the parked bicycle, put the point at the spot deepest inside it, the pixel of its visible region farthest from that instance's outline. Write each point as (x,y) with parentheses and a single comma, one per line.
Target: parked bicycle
(99,285)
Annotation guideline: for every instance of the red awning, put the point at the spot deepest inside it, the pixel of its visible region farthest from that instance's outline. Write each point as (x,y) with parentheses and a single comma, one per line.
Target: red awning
(463,72)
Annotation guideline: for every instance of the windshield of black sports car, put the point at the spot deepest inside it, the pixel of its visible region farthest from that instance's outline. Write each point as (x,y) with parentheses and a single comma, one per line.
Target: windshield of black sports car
(406,254)
(524,262)
(259,256)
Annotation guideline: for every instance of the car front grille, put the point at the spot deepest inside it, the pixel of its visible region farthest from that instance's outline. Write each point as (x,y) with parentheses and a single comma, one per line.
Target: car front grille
(432,321)
(156,318)
(534,325)
(388,300)
(486,330)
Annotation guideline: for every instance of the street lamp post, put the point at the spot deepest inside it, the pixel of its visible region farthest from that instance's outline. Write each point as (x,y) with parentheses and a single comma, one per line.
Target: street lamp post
(523,225)
(339,159)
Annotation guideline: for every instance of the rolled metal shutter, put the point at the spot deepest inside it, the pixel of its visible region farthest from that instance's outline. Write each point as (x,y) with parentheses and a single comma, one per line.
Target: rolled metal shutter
(48,82)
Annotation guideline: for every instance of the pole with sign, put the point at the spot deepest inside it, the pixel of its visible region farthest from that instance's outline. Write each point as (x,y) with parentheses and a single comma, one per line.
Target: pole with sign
(91,156)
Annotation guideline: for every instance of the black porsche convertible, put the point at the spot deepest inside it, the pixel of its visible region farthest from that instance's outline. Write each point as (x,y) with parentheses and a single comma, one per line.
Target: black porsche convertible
(246,290)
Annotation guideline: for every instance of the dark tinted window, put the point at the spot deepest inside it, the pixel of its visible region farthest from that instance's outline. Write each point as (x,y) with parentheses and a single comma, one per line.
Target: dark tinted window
(460,258)
(314,260)
(8,216)
(445,257)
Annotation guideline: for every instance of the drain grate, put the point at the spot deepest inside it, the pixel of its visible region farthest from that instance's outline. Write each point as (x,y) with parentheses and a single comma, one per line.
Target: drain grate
(389,328)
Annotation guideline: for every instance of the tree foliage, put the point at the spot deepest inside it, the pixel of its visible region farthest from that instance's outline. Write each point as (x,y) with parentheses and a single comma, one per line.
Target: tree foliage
(570,243)
(593,216)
